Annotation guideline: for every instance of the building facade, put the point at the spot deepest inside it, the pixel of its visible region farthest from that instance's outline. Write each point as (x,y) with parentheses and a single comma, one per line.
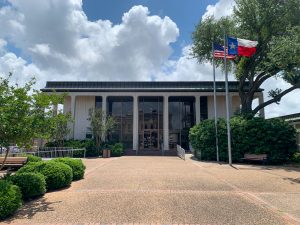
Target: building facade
(149,115)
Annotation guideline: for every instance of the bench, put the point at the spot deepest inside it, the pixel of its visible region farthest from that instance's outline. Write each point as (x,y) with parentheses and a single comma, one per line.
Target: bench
(13,162)
(256,157)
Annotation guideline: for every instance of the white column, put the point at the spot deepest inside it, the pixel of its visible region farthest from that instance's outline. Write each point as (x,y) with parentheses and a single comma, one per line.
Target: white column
(73,105)
(104,112)
(166,123)
(260,101)
(135,137)
(197,109)
(55,110)
(230,105)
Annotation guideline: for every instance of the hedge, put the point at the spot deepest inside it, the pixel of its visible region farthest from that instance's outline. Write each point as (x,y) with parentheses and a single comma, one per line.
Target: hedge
(117,150)
(57,174)
(10,199)
(30,184)
(32,158)
(76,164)
(273,137)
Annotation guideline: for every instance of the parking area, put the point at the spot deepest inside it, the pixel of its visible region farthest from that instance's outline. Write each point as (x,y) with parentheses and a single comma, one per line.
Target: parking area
(168,190)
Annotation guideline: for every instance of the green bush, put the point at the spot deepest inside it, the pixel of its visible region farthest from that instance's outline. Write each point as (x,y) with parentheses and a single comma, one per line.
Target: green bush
(76,164)
(273,137)
(88,144)
(32,158)
(57,174)
(296,157)
(10,199)
(30,184)
(117,150)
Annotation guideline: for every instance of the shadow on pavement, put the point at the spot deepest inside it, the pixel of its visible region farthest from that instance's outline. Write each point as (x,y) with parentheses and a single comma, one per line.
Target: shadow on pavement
(29,209)
(292,180)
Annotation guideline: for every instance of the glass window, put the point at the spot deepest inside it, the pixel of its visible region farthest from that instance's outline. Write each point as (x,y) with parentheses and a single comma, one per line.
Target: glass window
(121,108)
(181,119)
(98,102)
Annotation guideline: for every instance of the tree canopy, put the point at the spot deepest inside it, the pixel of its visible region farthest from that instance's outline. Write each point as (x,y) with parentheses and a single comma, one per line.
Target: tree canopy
(275,24)
(26,113)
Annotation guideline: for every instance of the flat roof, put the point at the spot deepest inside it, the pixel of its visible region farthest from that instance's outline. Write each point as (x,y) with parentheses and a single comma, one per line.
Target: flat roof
(290,118)
(139,86)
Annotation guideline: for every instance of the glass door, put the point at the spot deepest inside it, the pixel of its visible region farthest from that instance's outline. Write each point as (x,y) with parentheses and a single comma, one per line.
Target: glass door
(150,123)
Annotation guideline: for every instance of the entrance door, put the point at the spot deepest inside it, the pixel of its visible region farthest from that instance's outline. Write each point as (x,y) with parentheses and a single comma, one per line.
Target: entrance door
(151,140)
(150,123)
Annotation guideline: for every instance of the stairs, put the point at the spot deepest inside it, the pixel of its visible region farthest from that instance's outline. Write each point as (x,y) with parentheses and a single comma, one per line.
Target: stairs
(150,153)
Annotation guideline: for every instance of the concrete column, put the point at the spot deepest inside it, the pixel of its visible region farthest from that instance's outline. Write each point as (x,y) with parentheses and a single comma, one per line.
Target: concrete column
(197,109)
(166,122)
(73,105)
(230,105)
(260,101)
(55,110)
(104,112)
(135,137)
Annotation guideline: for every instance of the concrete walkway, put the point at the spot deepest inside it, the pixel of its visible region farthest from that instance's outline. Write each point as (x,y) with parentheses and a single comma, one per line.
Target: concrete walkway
(168,190)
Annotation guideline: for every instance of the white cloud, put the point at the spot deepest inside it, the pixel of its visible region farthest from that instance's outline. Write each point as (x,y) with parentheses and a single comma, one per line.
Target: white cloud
(221,9)
(289,103)
(58,38)
(187,68)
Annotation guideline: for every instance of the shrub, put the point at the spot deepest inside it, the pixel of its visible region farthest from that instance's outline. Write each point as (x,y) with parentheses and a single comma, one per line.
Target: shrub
(274,137)
(117,150)
(30,184)
(57,174)
(76,164)
(32,158)
(10,199)
(296,157)
(88,144)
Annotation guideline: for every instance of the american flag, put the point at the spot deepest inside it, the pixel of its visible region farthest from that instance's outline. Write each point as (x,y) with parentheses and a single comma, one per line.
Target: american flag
(219,52)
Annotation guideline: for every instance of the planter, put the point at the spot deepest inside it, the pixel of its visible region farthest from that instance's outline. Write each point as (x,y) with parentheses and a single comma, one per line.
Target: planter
(106,153)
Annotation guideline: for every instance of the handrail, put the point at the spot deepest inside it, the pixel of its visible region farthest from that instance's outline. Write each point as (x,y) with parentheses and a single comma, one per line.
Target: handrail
(180,152)
(54,153)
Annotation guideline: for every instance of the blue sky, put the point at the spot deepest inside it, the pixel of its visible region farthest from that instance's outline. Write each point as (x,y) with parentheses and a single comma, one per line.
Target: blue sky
(186,14)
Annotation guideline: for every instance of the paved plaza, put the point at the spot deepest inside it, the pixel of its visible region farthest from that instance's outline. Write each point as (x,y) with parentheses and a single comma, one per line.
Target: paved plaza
(169,190)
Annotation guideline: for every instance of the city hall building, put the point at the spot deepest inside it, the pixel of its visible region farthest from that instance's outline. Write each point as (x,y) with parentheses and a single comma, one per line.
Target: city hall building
(150,115)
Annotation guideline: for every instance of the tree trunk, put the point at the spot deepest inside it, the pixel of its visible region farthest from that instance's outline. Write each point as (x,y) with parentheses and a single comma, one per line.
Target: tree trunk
(6,154)
(246,102)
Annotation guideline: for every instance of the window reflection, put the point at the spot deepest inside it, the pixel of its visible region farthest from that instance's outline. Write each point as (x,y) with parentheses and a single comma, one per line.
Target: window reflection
(181,119)
(121,108)
(150,123)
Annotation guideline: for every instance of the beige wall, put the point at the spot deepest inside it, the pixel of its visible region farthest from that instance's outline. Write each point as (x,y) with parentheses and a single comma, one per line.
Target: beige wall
(221,106)
(67,104)
(82,106)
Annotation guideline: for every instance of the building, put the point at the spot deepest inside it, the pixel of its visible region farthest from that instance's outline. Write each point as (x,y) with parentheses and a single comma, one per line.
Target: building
(150,115)
(293,119)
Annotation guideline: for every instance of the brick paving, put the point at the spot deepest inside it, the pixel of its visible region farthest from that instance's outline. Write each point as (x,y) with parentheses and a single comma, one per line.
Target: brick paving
(168,190)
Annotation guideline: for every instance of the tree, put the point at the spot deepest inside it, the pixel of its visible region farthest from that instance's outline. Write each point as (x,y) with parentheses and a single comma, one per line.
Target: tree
(59,128)
(15,114)
(275,25)
(25,114)
(100,125)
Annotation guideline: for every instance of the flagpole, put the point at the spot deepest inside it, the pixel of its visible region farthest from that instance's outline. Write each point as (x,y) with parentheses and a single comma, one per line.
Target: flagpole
(215,102)
(227,103)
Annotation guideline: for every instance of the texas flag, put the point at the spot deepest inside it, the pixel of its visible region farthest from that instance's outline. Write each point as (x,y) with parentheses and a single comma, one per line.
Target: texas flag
(238,46)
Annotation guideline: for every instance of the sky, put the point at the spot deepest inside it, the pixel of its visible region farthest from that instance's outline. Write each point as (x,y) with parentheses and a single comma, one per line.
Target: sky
(116,40)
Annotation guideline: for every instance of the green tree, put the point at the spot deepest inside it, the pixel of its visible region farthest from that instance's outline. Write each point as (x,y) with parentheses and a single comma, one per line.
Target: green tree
(276,26)
(100,125)
(25,114)
(59,127)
